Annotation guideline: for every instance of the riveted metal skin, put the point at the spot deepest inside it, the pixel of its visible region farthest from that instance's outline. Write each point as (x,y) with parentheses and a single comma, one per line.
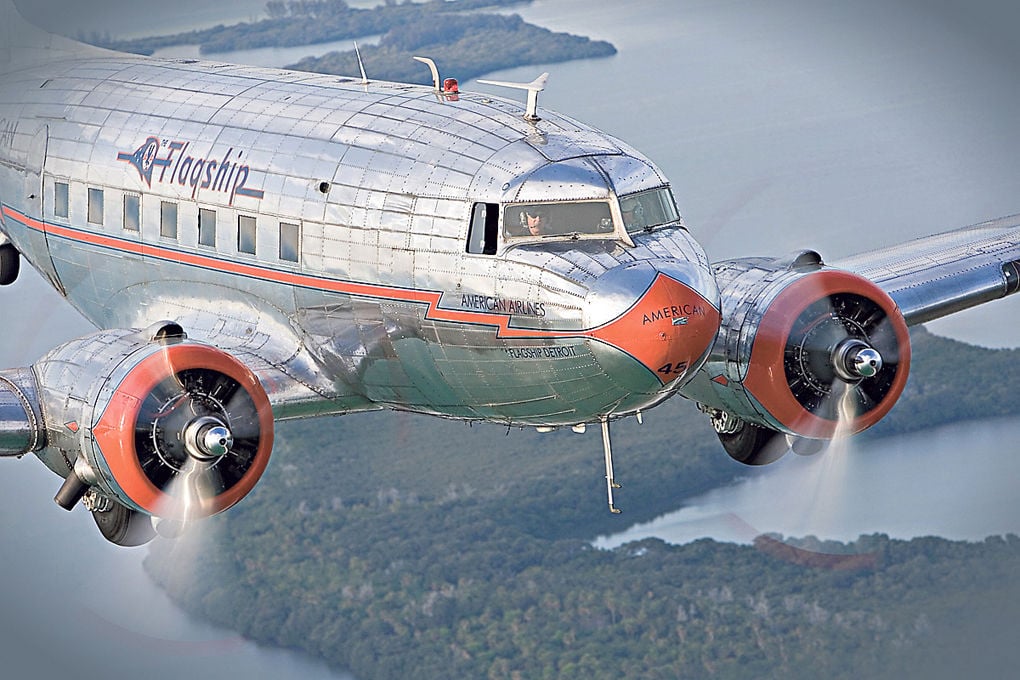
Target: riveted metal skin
(939,275)
(775,360)
(361,246)
(185,182)
(101,394)
(21,423)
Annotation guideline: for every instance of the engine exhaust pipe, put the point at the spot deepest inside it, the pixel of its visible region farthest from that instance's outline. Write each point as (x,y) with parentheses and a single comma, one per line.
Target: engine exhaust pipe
(76,484)
(71,491)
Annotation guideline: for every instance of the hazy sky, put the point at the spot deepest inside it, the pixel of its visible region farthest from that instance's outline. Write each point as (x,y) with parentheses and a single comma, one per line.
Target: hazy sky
(950,85)
(980,129)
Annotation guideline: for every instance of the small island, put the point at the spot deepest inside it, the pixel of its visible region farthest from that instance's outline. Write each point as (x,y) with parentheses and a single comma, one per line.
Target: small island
(459,35)
(395,545)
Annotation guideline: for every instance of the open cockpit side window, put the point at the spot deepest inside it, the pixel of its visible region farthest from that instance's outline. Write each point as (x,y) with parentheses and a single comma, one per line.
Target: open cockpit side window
(484,229)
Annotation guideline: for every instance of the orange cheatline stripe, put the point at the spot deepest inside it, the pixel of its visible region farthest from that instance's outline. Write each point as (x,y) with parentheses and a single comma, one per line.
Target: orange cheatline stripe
(430,298)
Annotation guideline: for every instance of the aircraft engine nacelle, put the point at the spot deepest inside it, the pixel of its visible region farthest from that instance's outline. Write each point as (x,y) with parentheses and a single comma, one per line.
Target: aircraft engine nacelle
(804,350)
(142,424)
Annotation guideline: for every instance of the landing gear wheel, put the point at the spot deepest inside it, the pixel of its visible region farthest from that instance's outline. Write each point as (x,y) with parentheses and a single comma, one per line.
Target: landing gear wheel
(124,527)
(803,446)
(754,445)
(10,264)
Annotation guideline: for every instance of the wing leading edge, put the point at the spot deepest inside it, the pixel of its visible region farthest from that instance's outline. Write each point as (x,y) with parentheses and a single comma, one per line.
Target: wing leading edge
(934,276)
(811,351)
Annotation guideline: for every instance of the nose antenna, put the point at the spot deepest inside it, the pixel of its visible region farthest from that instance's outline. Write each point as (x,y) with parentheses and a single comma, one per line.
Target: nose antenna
(533,88)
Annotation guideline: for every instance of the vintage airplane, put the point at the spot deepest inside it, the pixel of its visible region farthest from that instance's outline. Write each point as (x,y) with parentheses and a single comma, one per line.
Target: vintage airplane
(259,244)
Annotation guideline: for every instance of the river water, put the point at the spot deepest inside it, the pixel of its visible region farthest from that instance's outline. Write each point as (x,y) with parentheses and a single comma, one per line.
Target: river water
(74,606)
(958,482)
(782,125)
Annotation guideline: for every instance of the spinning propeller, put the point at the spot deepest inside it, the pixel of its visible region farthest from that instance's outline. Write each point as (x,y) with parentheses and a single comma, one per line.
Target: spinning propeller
(200,425)
(821,353)
(840,339)
(173,429)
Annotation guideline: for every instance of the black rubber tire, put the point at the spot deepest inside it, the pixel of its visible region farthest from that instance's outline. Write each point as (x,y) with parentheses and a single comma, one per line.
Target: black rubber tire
(803,446)
(124,527)
(10,264)
(754,445)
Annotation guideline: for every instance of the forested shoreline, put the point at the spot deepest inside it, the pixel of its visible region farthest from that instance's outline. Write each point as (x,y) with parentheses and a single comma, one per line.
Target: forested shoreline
(464,46)
(394,545)
(463,36)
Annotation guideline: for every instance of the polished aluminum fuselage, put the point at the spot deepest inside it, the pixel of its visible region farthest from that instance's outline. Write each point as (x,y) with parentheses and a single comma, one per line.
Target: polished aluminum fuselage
(383,304)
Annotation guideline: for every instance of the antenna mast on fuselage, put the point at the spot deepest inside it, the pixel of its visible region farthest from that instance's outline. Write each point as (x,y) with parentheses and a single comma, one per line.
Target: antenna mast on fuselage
(361,64)
(533,88)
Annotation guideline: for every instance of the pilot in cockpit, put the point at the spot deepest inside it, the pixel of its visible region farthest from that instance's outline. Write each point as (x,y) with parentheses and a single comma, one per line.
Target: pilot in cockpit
(534,221)
(633,214)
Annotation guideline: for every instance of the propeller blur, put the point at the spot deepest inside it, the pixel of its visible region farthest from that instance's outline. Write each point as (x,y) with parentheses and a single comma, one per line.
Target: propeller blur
(256,245)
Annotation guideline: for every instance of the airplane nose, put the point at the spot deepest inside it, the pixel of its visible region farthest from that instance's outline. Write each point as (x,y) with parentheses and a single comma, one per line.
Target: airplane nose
(663,314)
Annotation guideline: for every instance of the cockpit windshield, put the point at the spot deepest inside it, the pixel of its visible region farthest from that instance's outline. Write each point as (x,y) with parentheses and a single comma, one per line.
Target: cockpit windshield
(642,211)
(576,219)
(648,209)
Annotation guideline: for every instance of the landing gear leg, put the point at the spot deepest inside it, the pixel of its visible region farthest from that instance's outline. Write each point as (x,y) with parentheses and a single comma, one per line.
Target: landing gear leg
(611,484)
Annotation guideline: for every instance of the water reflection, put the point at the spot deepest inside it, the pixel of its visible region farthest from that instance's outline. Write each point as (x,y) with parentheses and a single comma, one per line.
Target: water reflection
(266,56)
(958,482)
(77,606)
(782,125)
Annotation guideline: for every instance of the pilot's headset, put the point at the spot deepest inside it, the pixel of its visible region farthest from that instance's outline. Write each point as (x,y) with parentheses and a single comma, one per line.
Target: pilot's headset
(527,211)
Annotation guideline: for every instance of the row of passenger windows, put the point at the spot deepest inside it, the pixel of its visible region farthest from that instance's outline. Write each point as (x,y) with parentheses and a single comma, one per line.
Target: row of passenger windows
(290,234)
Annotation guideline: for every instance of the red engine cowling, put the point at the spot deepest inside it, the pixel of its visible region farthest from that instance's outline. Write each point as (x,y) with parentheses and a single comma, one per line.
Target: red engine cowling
(144,433)
(156,423)
(804,350)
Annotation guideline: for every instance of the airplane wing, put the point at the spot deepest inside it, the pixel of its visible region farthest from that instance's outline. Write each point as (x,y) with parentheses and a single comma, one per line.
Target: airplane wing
(817,350)
(169,412)
(22,43)
(299,383)
(933,276)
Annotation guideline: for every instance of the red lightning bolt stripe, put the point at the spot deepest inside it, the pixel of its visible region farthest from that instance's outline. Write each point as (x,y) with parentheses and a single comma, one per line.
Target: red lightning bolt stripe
(629,332)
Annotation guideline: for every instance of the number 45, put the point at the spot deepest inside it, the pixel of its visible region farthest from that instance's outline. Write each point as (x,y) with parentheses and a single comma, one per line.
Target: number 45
(674,369)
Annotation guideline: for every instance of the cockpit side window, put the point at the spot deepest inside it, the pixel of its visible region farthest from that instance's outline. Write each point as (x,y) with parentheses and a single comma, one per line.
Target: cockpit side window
(574,219)
(648,209)
(484,229)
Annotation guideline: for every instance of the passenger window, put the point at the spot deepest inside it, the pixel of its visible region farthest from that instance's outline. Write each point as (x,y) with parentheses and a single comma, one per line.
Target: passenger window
(60,200)
(484,229)
(95,206)
(246,234)
(168,220)
(207,227)
(290,242)
(132,212)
